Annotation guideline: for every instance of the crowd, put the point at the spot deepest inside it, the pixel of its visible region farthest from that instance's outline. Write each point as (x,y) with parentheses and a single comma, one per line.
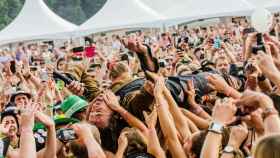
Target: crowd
(204,92)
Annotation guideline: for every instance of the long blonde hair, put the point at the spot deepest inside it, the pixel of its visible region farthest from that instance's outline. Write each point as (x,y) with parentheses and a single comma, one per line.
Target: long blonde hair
(268,147)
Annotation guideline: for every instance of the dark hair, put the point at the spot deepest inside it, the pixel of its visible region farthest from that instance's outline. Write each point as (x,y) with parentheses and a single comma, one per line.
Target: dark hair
(79,151)
(10,111)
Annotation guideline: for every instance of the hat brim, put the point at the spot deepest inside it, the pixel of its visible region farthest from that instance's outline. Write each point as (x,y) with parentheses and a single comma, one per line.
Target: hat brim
(20,93)
(65,121)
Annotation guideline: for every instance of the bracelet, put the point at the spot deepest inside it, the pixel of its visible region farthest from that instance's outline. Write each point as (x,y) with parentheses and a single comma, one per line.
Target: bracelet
(269,112)
(216,128)
(197,110)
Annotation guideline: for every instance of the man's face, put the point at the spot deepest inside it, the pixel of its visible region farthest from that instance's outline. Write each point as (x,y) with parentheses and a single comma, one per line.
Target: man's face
(99,114)
(223,66)
(21,99)
(9,122)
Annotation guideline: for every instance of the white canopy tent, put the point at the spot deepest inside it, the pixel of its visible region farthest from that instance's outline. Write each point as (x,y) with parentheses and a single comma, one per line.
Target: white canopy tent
(178,11)
(271,5)
(120,14)
(36,22)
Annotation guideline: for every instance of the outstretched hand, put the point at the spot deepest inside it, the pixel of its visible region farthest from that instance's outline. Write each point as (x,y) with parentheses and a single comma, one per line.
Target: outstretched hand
(45,119)
(27,114)
(112,101)
(252,100)
(224,111)
(216,82)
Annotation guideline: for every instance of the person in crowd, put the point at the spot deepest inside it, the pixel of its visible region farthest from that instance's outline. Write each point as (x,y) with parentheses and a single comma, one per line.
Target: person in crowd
(207,92)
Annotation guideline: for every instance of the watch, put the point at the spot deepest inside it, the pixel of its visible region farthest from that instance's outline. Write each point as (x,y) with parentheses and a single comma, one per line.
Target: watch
(229,150)
(216,128)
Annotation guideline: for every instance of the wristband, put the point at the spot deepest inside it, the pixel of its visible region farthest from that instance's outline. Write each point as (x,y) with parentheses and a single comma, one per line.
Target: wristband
(197,110)
(216,128)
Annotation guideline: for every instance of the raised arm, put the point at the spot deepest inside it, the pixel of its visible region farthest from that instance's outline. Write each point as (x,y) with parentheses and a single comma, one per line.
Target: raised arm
(217,83)
(255,100)
(167,124)
(113,102)
(50,148)
(27,141)
(84,133)
(265,62)
(180,120)
(223,113)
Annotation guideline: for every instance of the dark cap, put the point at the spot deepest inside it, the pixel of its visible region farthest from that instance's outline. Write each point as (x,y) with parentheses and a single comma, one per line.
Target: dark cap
(20,92)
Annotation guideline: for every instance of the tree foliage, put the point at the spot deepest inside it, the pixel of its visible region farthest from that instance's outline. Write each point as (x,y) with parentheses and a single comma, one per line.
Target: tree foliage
(76,11)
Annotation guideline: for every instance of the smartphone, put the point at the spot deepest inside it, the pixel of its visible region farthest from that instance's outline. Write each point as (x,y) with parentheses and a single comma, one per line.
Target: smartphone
(260,44)
(44,76)
(217,43)
(33,68)
(66,134)
(249,30)
(13,67)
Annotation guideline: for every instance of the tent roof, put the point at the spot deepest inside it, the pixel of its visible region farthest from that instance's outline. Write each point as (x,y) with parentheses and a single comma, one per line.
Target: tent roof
(117,14)
(273,5)
(35,21)
(188,10)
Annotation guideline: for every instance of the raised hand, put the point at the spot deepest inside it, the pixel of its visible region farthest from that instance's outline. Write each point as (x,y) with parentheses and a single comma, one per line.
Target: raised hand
(252,100)
(4,129)
(83,131)
(112,101)
(76,87)
(123,141)
(151,120)
(159,86)
(191,92)
(255,120)
(27,115)
(266,64)
(224,111)
(45,119)
(216,82)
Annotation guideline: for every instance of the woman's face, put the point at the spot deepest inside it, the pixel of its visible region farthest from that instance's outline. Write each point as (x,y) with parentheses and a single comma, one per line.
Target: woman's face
(61,65)
(99,114)
(10,123)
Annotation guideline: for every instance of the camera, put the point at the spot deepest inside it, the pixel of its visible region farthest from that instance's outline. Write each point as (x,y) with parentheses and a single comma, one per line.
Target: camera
(66,134)
(260,44)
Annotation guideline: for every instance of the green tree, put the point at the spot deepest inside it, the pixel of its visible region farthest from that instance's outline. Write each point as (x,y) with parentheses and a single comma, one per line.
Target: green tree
(70,10)
(9,9)
(76,11)
(91,7)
